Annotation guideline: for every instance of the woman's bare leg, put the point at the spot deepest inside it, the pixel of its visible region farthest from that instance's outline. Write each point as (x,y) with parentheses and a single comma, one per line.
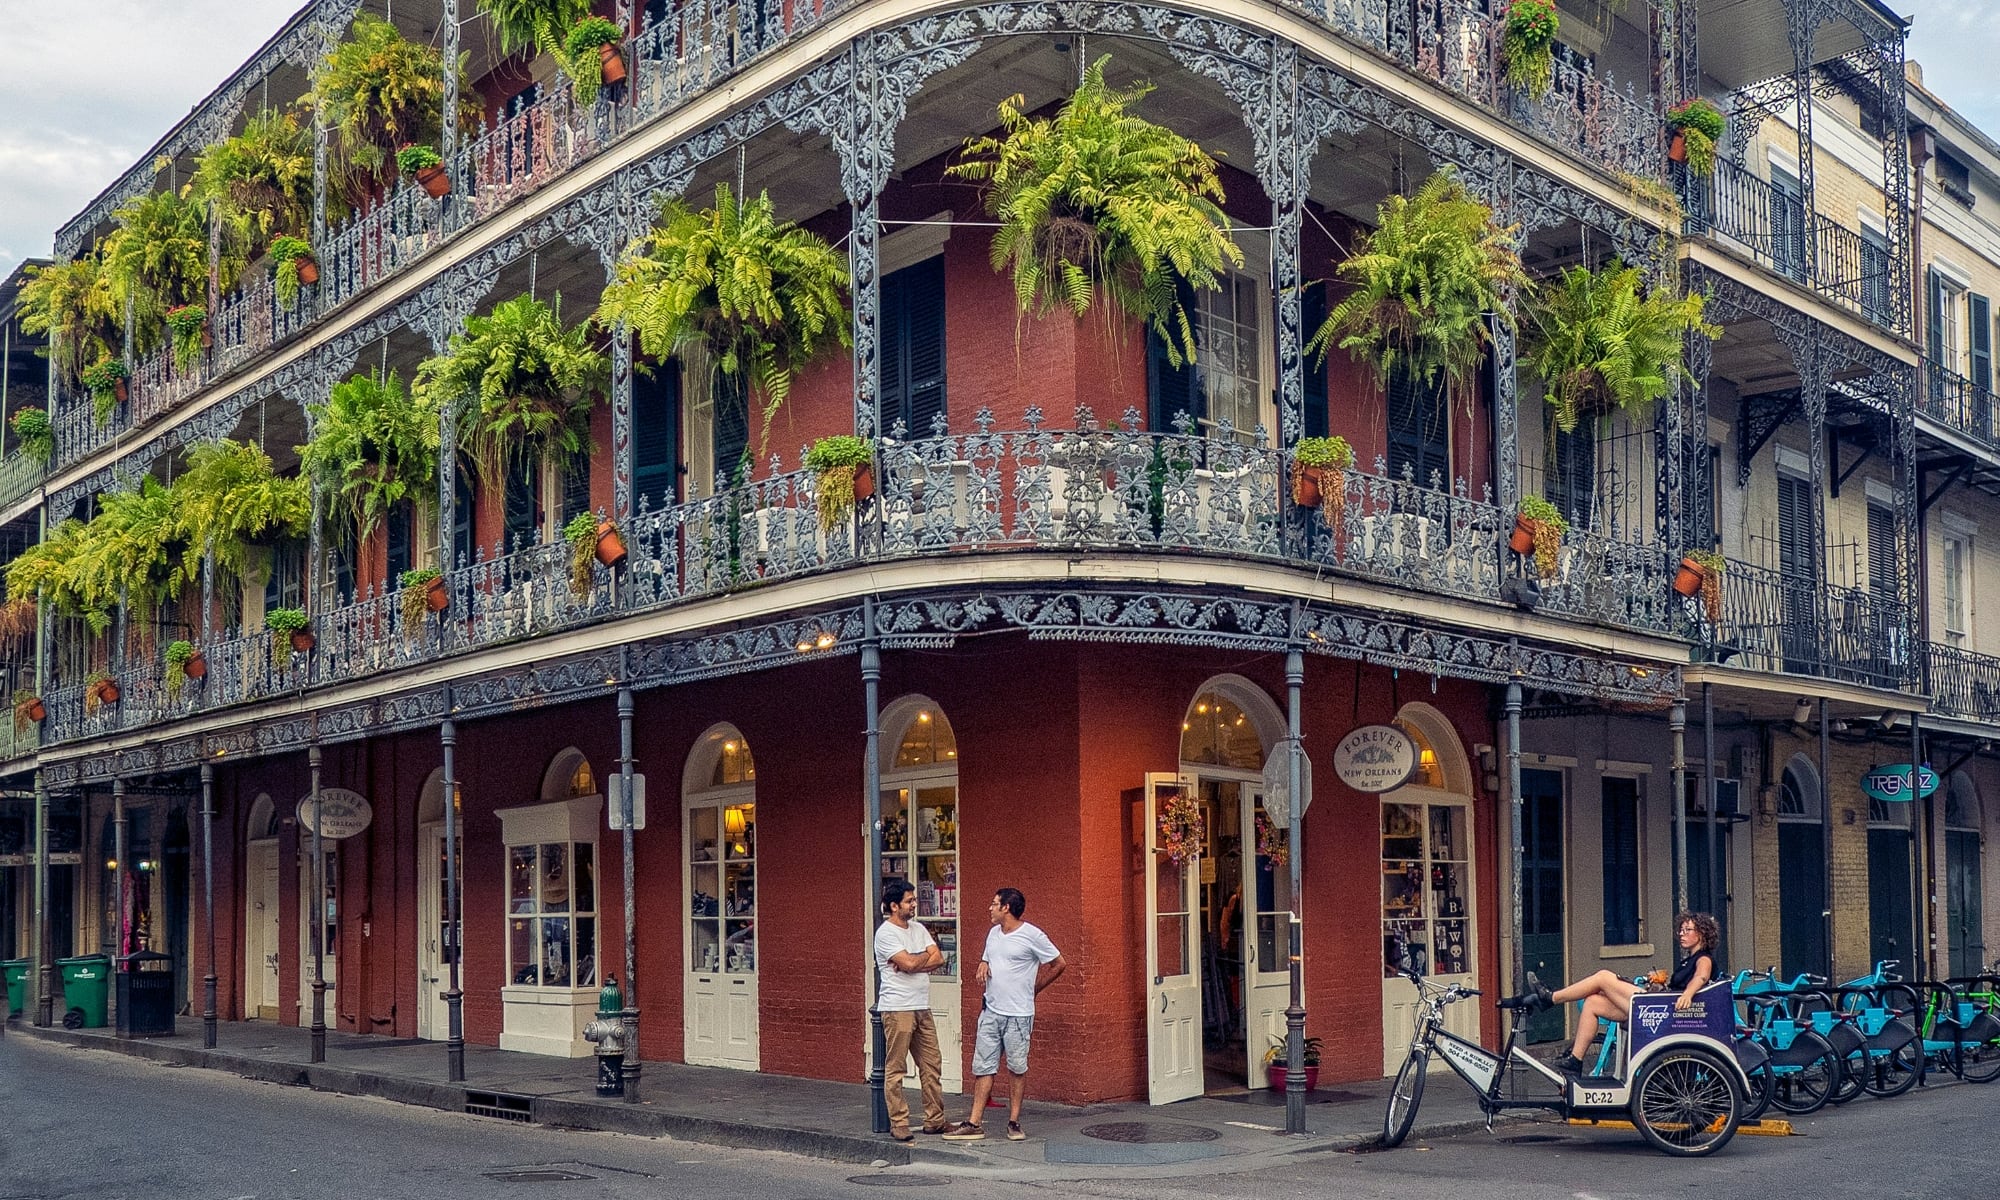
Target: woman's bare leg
(1589,985)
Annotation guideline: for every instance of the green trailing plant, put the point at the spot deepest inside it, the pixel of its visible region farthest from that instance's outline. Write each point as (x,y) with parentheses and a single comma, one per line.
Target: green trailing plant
(580,53)
(286,255)
(26,700)
(524,385)
(1548,526)
(377,91)
(763,297)
(1599,345)
(415,584)
(179,654)
(581,534)
(158,262)
(1527,45)
(1323,452)
(18,620)
(1096,203)
(261,180)
(1434,271)
(46,570)
(411,159)
(131,555)
(1312,457)
(186,323)
(373,446)
(531,24)
(93,689)
(74,305)
(230,500)
(282,623)
(1710,564)
(1701,125)
(102,379)
(35,433)
(835,462)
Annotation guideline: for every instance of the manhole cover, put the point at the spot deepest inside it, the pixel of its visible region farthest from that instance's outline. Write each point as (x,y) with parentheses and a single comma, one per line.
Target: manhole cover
(537,1175)
(899,1180)
(1149,1132)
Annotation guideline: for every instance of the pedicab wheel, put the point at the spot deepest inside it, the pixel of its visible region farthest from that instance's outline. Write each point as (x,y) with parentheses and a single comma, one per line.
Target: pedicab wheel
(1763,1085)
(1685,1102)
(1403,1100)
(1807,1087)
(73,1019)
(1892,1072)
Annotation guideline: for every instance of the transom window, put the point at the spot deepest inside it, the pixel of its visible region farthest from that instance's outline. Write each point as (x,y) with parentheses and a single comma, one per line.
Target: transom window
(1219,733)
(927,741)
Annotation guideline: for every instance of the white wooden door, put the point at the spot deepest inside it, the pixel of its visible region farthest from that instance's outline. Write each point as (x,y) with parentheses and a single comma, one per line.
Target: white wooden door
(435,942)
(1266,934)
(1173,954)
(922,847)
(260,925)
(720,981)
(328,961)
(1427,910)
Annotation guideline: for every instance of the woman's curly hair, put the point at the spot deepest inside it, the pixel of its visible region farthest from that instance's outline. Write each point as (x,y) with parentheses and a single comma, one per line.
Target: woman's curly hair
(1705,926)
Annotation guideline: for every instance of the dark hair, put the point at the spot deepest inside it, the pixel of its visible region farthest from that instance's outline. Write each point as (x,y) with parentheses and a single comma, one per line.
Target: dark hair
(1705,927)
(1012,900)
(893,891)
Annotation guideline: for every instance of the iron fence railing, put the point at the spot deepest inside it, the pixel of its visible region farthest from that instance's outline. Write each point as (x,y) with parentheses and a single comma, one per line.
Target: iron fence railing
(19,475)
(1788,623)
(1962,683)
(1959,402)
(698,43)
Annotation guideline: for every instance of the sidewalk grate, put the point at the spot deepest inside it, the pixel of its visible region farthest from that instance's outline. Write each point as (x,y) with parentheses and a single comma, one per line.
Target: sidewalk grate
(499,1105)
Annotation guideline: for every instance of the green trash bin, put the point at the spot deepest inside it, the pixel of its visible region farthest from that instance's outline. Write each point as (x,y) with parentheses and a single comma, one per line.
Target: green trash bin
(86,990)
(16,970)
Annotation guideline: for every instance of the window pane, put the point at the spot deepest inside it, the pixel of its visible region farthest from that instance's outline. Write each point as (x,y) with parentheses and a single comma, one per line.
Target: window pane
(555,951)
(586,878)
(742,952)
(521,950)
(555,878)
(701,835)
(707,949)
(586,952)
(521,879)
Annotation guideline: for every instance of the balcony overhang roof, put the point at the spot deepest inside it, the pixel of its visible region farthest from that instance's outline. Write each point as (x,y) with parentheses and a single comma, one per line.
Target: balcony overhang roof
(1747,41)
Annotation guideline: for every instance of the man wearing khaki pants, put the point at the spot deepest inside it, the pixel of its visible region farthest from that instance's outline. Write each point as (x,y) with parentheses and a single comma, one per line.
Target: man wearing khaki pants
(905,956)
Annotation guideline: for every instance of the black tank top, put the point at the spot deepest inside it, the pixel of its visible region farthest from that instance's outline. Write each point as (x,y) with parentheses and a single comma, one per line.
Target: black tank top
(1684,969)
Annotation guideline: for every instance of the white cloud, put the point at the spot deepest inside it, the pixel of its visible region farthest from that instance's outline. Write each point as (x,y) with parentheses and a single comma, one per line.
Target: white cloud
(1954,40)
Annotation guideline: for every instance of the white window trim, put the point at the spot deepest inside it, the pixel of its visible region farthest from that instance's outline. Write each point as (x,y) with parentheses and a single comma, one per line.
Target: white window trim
(1951,272)
(1782,161)
(1794,463)
(1871,222)
(567,822)
(1958,524)
(1880,493)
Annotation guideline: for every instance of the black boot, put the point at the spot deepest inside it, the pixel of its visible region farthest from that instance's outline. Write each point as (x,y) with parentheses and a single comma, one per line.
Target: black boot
(1568,1064)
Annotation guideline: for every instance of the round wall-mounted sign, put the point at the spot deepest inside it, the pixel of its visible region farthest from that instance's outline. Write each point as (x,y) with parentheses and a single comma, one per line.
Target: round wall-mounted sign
(342,813)
(1891,784)
(1375,758)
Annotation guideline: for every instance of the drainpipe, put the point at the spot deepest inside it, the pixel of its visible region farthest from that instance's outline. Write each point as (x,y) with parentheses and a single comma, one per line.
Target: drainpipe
(1717,894)
(1677,719)
(871,699)
(318,911)
(208,902)
(1826,832)
(1513,708)
(119,866)
(1922,144)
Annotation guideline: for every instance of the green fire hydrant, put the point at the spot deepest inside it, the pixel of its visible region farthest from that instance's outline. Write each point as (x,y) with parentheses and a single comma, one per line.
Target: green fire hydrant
(607,1032)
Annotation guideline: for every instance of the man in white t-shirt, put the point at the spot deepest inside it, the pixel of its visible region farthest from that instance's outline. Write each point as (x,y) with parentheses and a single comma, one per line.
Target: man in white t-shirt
(905,956)
(1019,961)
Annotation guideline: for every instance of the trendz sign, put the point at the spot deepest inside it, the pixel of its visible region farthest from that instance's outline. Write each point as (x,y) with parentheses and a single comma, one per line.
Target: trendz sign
(1892,784)
(1375,758)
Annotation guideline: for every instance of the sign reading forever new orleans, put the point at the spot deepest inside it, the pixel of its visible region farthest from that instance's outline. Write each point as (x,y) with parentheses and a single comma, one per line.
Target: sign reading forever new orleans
(1892,784)
(1375,758)
(342,813)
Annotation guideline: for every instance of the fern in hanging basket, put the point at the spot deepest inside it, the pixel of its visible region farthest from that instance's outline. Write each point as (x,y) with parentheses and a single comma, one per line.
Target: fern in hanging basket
(1097,204)
(185,324)
(35,433)
(1701,125)
(1599,346)
(1527,46)
(106,380)
(1548,526)
(835,463)
(373,445)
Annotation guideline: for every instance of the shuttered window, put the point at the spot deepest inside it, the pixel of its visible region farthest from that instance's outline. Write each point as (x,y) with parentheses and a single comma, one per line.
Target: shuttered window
(732,426)
(461,519)
(575,487)
(523,523)
(911,374)
(1312,314)
(1795,529)
(1881,552)
(1788,224)
(1876,275)
(1172,390)
(1980,342)
(397,525)
(1575,472)
(1419,430)
(656,425)
(1621,861)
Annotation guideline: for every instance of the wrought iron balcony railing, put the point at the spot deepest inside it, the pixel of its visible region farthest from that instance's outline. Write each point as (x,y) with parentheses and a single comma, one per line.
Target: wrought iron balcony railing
(1777,621)
(700,42)
(1085,490)
(18,476)
(1959,402)
(1962,683)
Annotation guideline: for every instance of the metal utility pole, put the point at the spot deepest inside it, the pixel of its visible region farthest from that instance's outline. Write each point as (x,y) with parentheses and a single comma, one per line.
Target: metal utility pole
(630,1015)
(454,1035)
(871,684)
(318,912)
(1295,1011)
(1677,719)
(1716,891)
(208,902)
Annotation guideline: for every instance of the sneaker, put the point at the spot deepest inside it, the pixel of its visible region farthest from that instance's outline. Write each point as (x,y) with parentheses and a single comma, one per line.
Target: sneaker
(1544,999)
(967,1132)
(1014,1133)
(1569,1064)
(947,1127)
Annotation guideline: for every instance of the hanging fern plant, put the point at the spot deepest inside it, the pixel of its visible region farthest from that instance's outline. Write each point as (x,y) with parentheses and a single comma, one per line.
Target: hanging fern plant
(524,384)
(1428,277)
(1096,204)
(373,446)
(1599,346)
(762,296)
(377,91)
(230,500)
(261,179)
(74,305)
(1527,46)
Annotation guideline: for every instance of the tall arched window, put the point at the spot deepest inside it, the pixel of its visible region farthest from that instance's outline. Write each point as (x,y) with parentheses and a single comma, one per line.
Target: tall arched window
(921,838)
(1801,869)
(1965,897)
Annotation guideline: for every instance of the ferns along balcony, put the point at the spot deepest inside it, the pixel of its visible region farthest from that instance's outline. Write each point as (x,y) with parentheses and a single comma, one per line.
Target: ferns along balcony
(1077,491)
(683,55)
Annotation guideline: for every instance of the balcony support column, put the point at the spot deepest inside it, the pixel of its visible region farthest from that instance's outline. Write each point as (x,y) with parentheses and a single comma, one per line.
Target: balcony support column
(317,1052)
(1677,720)
(1897,229)
(120,866)
(1802,21)
(1923,873)
(1284,163)
(871,685)
(1512,709)
(1698,494)
(44,937)
(622,500)
(866,154)
(448,140)
(208,979)
(1670,481)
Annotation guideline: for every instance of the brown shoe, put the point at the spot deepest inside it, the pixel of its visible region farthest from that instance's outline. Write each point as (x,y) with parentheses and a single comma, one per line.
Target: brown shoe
(968,1131)
(1014,1133)
(903,1135)
(947,1127)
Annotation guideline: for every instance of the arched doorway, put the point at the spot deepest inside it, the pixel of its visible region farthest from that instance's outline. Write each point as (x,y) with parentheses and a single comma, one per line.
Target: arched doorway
(1891,905)
(719,948)
(921,837)
(1429,888)
(1965,925)
(1801,871)
(175,897)
(261,943)
(437,940)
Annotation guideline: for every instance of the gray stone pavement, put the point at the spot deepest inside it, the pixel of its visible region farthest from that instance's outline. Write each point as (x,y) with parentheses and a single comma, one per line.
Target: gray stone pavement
(1210,1135)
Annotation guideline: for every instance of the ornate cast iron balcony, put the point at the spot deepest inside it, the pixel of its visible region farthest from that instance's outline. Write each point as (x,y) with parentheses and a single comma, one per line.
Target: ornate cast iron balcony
(1959,403)
(1776,621)
(1962,683)
(1083,490)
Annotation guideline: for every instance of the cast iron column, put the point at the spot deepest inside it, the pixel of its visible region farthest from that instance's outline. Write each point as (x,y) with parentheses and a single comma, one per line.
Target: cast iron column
(1677,720)
(1715,889)
(120,866)
(454,1027)
(1826,834)
(208,902)
(630,1016)
(1514,817)
(45,966)
(1920,844)
(871,682)
(1295,1012)
(318,912)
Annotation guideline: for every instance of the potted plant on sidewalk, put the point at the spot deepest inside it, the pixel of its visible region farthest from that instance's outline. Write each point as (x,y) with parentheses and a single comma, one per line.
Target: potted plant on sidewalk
(843,470)
(1275,1066)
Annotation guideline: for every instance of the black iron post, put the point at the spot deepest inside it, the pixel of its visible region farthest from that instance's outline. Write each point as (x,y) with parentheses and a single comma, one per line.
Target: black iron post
(1826,833)
(208,902)
(1295,1010)
(1716,891)
(1921,872)
(1513,708)
(45,965)
(318,912)
(871,683)
(630,1015)
(119,865)
(454,1026)
(1677,719)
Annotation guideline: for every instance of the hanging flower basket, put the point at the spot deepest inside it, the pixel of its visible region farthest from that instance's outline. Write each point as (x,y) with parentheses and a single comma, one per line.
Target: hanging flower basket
(610,544)
(1700,573)
(1182,830)
(1271,842)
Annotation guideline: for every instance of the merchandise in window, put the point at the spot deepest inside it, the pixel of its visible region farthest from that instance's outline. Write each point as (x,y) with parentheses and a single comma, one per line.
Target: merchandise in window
(552,915)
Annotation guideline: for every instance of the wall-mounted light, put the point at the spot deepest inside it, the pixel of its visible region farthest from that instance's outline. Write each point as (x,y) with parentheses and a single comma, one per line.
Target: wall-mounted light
(1802,711)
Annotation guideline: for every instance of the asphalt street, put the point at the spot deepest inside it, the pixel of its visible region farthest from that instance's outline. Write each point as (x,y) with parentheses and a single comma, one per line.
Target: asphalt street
(84,1123)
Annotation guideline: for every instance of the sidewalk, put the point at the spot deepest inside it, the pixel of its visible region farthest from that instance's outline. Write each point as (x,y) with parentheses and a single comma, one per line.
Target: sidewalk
(1210,1135)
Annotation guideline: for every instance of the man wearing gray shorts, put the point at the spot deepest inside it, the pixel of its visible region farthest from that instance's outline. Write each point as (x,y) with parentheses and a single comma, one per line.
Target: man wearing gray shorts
(1019,961)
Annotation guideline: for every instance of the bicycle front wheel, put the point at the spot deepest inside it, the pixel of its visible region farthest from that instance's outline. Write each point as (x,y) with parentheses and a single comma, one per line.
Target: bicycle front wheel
(1763,1086)
(1404,1098)
(1807,1086)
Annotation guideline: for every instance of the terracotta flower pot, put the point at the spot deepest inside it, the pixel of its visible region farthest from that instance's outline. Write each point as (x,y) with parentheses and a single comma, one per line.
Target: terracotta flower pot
(610,544)
(1274,1074)
(1305,486)
(614,64)
(308,271)
(37,711)
(864,483)
(1678,148)
(196,667)
(122,390)
(107,692)
(1523,539)
(303,640)
(437,596)
(1687,580)
(435,180)
(207,337)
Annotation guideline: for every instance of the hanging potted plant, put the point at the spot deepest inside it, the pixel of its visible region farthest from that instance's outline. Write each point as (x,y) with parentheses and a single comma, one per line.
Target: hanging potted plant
(28,709)
(231,502)
(99,688)
(843,469)
(1097,203)
(1312,459)
(426,166)
(1697,127)
(1275,1066)
(373,446)
(184,662)
(592,541)
(187,324)
(1599,346)
(260,180)
(75,305)
(591,59)
(292,264)
(1539,528)
(377,91)
(423,590)
(763,297)
(106,380)
(34,433)
(1527,46)
(1427,278)
(1701,571)
(290,631)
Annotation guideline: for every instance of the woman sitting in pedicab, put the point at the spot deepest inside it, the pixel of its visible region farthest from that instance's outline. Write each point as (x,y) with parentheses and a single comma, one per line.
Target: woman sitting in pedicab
(1608,995)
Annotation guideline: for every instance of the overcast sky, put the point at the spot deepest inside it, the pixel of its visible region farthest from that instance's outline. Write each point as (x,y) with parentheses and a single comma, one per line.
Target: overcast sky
(87,85)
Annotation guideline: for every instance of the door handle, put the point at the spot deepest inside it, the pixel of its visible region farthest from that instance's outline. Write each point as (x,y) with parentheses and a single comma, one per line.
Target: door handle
(1163,1002)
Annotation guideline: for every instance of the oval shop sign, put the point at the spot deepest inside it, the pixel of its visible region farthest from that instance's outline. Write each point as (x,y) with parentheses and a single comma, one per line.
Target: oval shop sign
(342,813)
(1891,784)
(1375,758)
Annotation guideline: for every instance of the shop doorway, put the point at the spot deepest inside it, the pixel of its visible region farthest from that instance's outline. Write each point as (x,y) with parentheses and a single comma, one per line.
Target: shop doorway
(719,950)
(1542,934)
(1801,872)
(921,837)
(329,961)
(1429,887)
(1891,913)
(1964,922)
(260,913)
(437,940)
